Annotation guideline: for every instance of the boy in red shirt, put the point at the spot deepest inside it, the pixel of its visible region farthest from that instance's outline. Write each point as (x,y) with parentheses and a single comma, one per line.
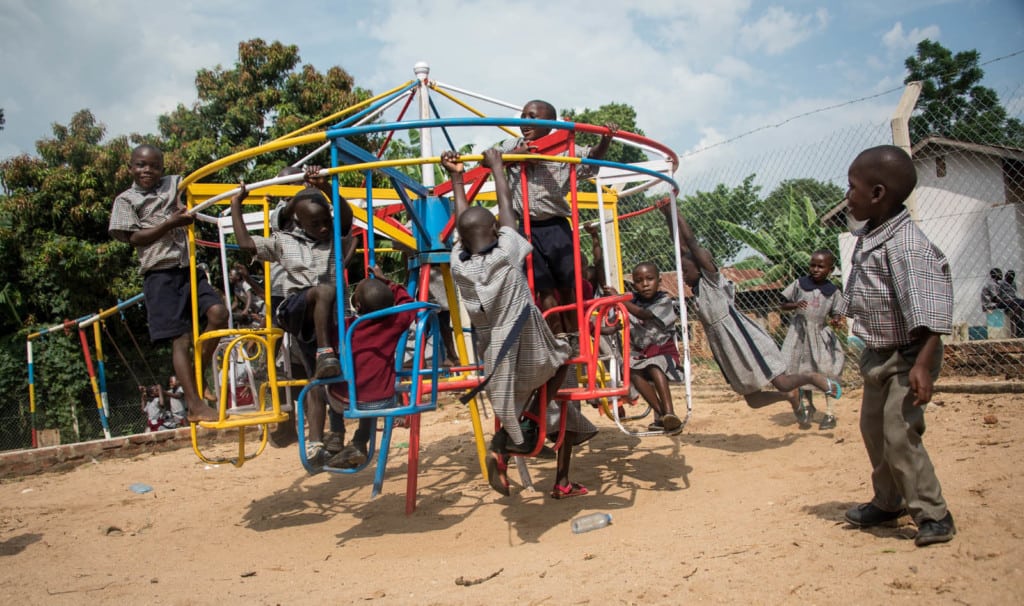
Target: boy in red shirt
(373,357)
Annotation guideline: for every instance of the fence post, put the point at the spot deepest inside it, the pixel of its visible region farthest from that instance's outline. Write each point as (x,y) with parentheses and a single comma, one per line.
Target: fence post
(900,125)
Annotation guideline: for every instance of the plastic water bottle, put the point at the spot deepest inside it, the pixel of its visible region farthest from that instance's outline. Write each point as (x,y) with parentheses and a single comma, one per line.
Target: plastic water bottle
(591,521)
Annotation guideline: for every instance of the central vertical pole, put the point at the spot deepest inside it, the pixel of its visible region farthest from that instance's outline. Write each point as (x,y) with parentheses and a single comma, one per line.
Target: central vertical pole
(422,70)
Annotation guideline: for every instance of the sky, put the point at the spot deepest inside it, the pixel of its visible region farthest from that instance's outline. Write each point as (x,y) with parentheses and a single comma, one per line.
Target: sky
(697,72)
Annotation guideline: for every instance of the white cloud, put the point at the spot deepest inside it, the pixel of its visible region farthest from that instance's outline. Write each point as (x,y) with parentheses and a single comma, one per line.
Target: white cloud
(779,30)
(898,41)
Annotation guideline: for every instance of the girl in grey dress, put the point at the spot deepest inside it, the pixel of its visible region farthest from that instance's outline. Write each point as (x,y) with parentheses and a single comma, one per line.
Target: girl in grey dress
(519,351)
(653,357)
(746,354)
(811,345)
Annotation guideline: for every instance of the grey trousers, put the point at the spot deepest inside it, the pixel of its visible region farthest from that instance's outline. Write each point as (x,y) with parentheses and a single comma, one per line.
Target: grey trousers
(902,473)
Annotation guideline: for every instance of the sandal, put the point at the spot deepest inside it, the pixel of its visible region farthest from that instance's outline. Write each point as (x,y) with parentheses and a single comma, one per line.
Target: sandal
(835,390)
(497,473)
(564,492)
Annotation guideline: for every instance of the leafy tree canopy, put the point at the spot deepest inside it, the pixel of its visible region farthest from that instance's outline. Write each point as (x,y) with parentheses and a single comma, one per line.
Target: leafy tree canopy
(266,95)
(740,205)
(953,104)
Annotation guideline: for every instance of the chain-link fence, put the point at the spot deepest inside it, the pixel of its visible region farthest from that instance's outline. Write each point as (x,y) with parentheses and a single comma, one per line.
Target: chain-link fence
(752,214)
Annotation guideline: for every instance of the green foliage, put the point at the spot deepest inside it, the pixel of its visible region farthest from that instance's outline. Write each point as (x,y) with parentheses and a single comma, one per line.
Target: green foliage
(621,114)
(738,205)
(53,233)
(787,243)
(265,96)
(62,385)
(824,197)
(953,104)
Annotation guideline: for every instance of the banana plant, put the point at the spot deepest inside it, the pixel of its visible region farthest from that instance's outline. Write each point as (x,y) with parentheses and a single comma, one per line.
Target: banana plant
(788,244)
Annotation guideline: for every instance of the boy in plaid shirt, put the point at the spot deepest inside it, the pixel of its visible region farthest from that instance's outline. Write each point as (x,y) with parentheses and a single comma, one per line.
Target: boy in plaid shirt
(901,295)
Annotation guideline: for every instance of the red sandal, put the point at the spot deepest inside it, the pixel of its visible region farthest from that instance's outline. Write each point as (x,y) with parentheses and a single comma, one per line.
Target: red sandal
(564,492)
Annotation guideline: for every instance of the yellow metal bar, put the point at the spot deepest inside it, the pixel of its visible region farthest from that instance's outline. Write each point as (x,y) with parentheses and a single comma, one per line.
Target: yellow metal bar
(469,108)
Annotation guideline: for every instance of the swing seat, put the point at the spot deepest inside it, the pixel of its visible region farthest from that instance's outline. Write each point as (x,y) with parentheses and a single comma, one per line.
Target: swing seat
(415,388)
(239,418)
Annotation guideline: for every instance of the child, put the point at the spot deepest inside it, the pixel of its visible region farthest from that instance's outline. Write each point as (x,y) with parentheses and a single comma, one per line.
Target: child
(149,217)
(746,354)
(175,394)
(810,344)
(373,356)
(157,416)
(520,352)
(653,357)
(901,294)
(309,311)
(551,235)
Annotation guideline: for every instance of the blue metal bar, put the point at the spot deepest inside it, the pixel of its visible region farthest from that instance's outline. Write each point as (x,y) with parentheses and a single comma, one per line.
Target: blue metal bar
(437,114)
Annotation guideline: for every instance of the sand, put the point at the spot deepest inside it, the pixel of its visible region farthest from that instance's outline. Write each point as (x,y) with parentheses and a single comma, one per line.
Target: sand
(743,507)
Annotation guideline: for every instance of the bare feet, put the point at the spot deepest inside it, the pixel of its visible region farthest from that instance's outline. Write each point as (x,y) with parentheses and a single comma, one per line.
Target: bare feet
(201,412)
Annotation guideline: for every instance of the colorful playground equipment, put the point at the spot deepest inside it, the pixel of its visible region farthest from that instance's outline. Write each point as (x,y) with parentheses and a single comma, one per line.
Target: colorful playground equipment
(426,231)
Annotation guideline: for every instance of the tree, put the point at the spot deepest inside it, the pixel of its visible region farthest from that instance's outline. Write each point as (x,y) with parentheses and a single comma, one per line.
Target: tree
(53,235)
(266,95)
(953,104)
(740,205)
(824,196)
(623,115)
(788,243)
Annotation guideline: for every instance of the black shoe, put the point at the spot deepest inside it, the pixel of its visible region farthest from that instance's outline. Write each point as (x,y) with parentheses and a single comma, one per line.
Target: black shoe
(327,366)
(866,515)
(930,532)
(350,457)
(828,422)
(334,442)
(803,416)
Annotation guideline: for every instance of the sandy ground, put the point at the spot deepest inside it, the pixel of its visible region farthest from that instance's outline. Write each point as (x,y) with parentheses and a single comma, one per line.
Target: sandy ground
(743,507)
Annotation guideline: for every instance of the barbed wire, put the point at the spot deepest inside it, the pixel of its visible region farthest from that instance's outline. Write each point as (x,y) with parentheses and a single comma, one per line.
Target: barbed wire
(828,108)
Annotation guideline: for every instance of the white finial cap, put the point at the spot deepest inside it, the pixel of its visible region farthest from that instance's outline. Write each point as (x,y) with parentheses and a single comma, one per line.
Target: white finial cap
(421,69)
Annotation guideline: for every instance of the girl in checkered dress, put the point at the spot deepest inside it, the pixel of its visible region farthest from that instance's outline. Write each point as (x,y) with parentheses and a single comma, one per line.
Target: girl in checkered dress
(746,354)
(519,351)
(811,345)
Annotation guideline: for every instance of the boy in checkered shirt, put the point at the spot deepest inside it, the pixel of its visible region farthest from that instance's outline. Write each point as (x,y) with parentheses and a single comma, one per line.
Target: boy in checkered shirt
(554,270)
(901,294)
(150,217)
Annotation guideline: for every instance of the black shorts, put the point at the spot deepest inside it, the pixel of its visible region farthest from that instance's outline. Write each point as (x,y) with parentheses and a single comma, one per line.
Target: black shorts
(292,318)
(553,263)
(168,296)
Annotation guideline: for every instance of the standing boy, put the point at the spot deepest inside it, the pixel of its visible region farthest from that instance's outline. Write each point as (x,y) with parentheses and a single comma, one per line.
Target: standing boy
(554,269)
(150,217)
(901,295)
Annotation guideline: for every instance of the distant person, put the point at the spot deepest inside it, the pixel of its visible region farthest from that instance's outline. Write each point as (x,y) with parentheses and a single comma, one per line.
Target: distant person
(1013,305)
(901,295)
(150,217)
(990,292)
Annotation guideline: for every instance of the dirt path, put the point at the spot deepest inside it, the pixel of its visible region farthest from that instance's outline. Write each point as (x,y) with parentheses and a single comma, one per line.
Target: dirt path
(744,507)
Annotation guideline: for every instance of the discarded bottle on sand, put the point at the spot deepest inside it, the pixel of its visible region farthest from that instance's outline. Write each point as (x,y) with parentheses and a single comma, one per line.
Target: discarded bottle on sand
(591,521)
